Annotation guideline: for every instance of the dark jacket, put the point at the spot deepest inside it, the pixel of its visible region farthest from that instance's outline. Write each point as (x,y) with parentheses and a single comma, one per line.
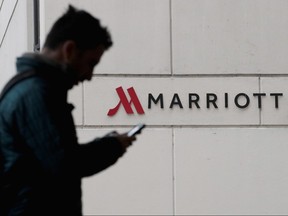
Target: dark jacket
(41,161)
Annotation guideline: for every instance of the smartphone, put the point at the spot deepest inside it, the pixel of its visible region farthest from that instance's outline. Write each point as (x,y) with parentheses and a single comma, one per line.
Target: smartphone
(136,130)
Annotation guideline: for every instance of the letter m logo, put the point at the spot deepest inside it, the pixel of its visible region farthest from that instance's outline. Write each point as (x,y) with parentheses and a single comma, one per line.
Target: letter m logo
(126,103)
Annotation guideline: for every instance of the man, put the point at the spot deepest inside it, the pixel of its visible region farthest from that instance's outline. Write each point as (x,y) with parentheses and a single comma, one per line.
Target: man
(42,162)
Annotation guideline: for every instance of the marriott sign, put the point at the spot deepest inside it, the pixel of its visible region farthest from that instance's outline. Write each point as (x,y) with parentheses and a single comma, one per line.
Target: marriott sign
(186,101)
(130,100)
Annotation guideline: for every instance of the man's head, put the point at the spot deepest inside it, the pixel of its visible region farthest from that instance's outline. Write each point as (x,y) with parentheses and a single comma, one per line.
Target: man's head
(80,27)
(78,40)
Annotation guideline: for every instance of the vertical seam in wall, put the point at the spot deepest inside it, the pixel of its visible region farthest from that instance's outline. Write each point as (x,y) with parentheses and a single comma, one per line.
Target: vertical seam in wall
(83,106)
(36,47)
(260,110)
(171,37)
(8,24)
(173,173)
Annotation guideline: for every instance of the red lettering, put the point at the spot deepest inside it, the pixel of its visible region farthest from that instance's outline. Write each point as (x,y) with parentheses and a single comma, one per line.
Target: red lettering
(126,103)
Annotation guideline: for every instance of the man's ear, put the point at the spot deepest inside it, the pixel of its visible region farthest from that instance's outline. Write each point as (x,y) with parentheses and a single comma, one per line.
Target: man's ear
(69,50)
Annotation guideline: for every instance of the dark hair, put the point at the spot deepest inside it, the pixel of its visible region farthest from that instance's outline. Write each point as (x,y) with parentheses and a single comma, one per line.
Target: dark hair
(81,27)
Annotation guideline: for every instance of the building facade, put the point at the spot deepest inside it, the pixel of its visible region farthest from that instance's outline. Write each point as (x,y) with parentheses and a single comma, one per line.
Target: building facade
(208,77)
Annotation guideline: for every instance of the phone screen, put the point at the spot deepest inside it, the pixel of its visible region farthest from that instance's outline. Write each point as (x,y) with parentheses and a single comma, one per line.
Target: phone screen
(136,129)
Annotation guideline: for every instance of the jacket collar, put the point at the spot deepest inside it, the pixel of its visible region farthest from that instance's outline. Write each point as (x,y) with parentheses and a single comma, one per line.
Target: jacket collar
(42,64)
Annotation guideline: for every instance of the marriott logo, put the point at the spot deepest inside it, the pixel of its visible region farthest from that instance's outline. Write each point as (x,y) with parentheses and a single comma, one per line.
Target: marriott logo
(126,103)
(129,100)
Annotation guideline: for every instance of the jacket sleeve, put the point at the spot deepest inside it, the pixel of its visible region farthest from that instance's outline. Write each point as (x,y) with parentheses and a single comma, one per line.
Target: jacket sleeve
(48,129)
(97,155)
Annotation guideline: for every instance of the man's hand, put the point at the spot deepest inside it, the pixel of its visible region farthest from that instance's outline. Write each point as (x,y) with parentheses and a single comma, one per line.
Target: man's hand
(124,139)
